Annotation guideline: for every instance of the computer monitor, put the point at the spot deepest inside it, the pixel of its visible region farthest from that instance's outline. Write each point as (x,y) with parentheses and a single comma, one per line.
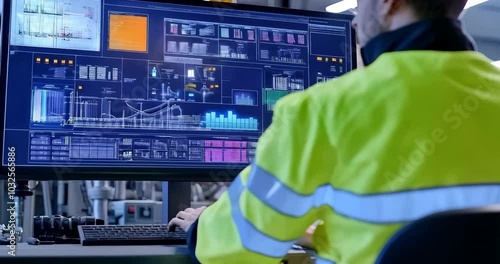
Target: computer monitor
(167,90)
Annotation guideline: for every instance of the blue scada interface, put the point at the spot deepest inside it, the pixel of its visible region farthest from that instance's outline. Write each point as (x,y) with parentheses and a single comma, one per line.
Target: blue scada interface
(117,83)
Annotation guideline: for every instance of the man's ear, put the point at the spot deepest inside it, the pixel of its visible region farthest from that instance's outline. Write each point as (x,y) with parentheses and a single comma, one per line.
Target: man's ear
(359,57)
(392,6)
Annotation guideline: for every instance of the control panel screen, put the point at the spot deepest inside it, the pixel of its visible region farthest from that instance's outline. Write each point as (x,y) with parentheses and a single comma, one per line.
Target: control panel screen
(123,83)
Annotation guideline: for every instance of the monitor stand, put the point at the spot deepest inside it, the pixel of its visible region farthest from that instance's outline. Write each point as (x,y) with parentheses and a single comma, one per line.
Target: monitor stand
(176,197)
(24,209)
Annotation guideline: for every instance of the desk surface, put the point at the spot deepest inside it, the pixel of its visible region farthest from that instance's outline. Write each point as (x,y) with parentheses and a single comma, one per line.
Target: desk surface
(76,254)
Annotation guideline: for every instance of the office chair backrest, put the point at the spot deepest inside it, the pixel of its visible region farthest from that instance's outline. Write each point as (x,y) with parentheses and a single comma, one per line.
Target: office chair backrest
(464,236)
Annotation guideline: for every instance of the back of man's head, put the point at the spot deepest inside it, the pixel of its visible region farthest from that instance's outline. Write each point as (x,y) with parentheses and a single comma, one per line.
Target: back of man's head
(378,16)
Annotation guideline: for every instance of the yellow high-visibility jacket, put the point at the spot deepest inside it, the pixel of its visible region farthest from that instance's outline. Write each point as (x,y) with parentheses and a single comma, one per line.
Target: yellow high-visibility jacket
(365,153)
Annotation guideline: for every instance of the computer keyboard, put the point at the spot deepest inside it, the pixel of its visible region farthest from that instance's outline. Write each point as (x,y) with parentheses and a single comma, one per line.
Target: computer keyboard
(130,235)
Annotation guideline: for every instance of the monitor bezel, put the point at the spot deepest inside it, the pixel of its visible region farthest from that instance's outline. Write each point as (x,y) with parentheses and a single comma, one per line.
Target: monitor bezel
(226,173)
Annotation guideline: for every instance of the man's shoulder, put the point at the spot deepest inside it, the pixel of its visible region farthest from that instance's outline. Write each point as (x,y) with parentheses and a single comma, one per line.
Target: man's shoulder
(388,77)
(391,74)
(325,99)
(359,83)
(354,82)
(392,79)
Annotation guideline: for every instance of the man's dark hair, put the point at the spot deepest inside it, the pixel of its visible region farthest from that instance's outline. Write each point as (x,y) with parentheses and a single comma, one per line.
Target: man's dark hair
(436,8)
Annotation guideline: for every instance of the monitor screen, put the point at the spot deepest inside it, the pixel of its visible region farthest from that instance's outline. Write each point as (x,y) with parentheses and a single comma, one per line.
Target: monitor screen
(118,86)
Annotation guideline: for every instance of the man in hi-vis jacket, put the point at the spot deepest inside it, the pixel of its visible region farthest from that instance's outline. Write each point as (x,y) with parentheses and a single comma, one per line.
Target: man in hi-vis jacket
(413,133)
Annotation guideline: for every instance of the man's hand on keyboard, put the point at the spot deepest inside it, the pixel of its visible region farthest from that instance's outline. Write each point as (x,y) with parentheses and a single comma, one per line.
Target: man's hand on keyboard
(186,218)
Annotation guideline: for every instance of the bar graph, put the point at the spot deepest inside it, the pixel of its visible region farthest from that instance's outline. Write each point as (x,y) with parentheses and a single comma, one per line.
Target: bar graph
(48,106)
(226,155)
(231,121)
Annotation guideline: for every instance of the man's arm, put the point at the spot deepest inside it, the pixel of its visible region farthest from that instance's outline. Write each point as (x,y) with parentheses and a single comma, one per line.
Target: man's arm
(272,202)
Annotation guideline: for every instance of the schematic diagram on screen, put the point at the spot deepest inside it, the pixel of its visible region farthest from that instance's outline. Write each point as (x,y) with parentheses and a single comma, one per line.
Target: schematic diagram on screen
(169,115)
(165,81)
(63,24)
(105,93)
(203,83)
